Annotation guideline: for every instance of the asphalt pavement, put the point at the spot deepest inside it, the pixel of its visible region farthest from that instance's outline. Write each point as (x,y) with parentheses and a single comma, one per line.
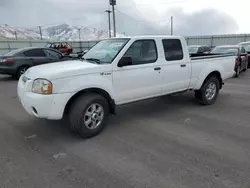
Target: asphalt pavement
(169,142)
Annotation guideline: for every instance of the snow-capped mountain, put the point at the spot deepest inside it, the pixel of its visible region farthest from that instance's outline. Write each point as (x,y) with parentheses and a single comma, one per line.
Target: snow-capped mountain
(60,32)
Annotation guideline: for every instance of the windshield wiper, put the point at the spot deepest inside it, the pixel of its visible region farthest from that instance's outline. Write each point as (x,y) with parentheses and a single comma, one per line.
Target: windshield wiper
(98,61)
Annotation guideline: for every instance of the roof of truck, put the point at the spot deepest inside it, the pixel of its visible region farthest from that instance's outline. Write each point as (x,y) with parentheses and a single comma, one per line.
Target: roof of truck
(147,36)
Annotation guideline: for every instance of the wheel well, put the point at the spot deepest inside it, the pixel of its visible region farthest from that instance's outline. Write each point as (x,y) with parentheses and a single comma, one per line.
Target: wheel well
(91,90)
(217,75)
(22,66)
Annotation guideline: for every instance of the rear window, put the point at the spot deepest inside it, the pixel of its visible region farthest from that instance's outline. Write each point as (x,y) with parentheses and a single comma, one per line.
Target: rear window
(172,49)
(15,52)
(34,53)
(246,46)
(192,49)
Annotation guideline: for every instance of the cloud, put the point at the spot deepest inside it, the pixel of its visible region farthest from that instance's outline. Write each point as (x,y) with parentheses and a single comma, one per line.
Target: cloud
(203,22)
(31,13)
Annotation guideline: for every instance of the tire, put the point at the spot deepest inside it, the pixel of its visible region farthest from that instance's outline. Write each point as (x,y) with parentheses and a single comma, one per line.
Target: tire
(81,112)
(245,69)
(212,84)
(21,70)
(237,74)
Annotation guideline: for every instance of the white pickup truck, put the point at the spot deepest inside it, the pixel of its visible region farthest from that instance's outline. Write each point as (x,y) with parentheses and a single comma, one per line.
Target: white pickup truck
(119,71)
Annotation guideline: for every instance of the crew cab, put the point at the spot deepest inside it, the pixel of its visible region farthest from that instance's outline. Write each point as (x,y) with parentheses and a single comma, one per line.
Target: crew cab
(119,71)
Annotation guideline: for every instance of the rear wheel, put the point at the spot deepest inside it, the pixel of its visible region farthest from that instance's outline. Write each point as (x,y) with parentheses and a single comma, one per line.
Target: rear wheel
(237,74)
(208,93)
(21,70)
(245,67)
(88,115)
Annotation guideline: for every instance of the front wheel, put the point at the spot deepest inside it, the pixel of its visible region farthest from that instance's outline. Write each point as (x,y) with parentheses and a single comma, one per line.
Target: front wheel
(88,115)
(21,71)
(208,93)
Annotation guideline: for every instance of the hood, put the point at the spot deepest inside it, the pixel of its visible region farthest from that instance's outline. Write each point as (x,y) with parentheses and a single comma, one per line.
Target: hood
(64,69)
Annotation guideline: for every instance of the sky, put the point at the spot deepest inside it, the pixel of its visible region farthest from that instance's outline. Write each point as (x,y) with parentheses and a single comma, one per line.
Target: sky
(134,17)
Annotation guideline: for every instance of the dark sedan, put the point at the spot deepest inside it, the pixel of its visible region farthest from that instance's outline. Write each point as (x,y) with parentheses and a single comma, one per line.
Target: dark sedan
(246,45)
(16,62)
(241,61)
(198,50)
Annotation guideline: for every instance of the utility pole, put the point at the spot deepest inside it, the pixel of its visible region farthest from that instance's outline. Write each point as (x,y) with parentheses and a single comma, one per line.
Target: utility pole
(113,3)
(109,12)
(40,30)
(15,33)
(172,29)
(79,35)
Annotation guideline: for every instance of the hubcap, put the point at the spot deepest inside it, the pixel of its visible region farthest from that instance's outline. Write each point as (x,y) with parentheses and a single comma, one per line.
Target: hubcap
(210,91)
(22,71)
(93,116)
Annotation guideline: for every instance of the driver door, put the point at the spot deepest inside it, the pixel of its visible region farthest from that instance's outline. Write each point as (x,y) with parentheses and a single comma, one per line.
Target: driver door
(143,79)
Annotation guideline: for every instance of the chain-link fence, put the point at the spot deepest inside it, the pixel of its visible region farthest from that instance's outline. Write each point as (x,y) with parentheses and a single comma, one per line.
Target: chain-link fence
(213,40)
(6,46)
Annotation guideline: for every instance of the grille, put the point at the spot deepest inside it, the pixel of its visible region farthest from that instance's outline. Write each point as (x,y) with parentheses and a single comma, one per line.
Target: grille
(25,79)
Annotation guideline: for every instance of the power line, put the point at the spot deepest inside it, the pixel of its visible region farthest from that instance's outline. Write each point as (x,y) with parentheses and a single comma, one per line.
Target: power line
(133,17)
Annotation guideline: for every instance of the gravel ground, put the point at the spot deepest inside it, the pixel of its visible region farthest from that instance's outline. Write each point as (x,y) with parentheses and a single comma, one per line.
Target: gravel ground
(169,142)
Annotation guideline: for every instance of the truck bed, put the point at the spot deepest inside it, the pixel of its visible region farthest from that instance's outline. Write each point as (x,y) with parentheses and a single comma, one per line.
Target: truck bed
(208,56)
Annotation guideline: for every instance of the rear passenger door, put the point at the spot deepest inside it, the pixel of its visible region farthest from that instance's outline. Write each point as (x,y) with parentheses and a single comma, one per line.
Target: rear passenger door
(37,56)
(176,68)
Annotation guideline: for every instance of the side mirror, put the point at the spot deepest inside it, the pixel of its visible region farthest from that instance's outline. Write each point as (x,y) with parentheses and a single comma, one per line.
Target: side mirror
(125,61)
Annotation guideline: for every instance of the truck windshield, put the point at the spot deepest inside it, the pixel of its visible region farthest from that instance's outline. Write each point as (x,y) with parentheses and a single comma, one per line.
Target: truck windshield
(106,50)
(225,50)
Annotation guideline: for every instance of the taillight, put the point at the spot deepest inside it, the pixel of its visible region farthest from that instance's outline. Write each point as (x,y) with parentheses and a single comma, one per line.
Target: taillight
(7,60)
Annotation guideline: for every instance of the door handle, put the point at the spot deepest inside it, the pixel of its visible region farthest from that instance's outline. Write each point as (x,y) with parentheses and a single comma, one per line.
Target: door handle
(157,68)
(183,65)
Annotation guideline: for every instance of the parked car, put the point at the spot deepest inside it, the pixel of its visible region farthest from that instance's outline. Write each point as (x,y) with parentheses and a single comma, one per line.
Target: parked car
(241,62)
(63,47)
(119,71)
(16,62)
(198,49)
(246,45)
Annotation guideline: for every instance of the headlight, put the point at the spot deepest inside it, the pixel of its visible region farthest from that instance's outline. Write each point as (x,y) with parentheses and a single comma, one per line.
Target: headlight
(42,86)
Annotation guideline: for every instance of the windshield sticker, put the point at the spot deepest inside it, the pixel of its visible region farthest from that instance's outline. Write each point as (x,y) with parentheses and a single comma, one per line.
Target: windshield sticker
(114,45)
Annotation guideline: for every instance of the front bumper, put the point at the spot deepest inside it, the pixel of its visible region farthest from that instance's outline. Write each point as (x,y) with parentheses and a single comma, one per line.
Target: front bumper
(7,70)
(41,106)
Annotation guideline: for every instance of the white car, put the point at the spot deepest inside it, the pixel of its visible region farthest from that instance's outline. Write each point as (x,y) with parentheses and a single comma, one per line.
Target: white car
(119,71)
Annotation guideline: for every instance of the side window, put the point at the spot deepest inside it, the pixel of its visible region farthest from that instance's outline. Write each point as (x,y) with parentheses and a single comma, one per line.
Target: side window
(34,53)
(51,53)
(173,49)
(242,50)
(19,54)
(142,52)
(208,49)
